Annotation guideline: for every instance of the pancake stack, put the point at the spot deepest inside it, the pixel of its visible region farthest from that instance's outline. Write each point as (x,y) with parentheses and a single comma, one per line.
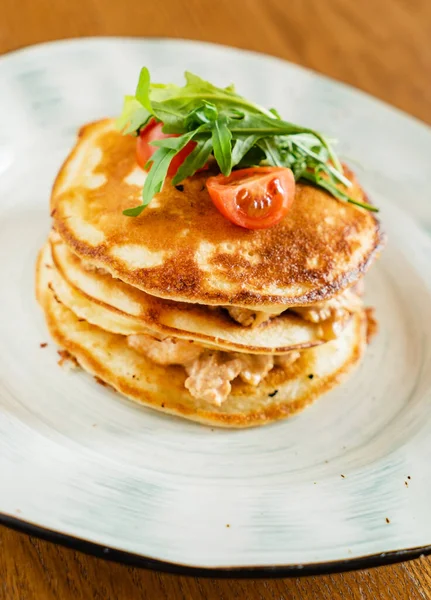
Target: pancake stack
(185,312)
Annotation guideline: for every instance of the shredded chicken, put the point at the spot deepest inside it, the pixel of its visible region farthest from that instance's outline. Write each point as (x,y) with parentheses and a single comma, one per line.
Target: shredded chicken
(286,360)
(169,351)
(334,309)
(251,318)
(332,313)
(93,269)
(255,367)
(331,329)
(210,375)
(210,372)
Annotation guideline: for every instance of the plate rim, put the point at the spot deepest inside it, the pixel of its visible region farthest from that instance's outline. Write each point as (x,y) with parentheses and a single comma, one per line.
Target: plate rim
(143,561)
(10,54)
(140,561)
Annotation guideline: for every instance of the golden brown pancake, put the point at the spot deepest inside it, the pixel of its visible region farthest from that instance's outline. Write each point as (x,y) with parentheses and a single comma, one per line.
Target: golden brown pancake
(283,392)
(182,248)
(120,308)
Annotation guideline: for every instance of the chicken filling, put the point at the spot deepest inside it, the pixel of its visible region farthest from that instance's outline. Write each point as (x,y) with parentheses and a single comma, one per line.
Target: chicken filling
(331,314)
(88,266)
(209,372)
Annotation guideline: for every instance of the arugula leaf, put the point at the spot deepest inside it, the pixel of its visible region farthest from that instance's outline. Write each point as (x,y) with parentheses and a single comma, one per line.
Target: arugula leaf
(161,160)
(221,140)
(337,174)
(253,157)
(243,144)
(133,117)
(170,142)
(143,89)
(194,161)
(206,113)
(272,152)
(198,85)
(237,132)
(328,186)
(159,163)
(134,212)
(172,113)
(275,112)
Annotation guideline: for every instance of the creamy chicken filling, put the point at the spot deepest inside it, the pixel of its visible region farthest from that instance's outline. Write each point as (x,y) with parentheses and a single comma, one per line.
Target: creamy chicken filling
(209,372)
(251,318)
(93,269)
(330,314)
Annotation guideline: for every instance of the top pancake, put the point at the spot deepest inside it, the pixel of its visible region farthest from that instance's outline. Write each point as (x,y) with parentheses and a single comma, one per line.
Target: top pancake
(182,248)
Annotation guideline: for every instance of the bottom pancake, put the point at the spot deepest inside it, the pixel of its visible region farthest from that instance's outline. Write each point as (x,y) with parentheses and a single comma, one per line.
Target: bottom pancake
(281,394)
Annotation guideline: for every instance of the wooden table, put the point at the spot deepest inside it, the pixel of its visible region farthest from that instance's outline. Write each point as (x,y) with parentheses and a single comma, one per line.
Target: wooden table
(380,46)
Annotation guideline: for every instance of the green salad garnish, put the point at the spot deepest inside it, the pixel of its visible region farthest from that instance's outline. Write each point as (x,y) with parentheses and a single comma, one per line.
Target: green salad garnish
(223,124)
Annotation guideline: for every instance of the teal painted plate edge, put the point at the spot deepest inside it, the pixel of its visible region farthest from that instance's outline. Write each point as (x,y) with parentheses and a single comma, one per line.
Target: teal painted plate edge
(423,214)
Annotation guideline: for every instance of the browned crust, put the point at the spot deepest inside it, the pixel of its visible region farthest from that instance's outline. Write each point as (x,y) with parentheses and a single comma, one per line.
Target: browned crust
(152,323)
(82,131)
(38,292)
(274,412)
(245,298)
(180,278)
(126,386)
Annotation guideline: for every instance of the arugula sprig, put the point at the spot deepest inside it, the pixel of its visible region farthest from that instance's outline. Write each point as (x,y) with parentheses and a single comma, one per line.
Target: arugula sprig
(223,124)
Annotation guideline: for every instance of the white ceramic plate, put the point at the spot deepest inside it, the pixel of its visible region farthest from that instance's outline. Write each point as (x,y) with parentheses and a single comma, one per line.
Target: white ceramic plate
(312,493)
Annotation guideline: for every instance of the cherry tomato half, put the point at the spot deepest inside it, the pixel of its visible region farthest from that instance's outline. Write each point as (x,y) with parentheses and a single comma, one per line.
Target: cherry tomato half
(254,198)
(144,150)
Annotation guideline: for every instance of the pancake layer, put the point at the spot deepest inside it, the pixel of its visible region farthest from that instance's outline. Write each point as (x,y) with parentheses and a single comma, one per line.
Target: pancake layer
(120,308)
(284,391)
(181,248)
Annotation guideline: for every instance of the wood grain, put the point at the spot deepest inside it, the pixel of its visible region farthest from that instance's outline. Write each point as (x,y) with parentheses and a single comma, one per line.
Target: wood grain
(31,569)
(380,46)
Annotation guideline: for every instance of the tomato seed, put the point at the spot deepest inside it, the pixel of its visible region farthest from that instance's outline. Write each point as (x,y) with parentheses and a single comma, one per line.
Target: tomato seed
(254,207)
